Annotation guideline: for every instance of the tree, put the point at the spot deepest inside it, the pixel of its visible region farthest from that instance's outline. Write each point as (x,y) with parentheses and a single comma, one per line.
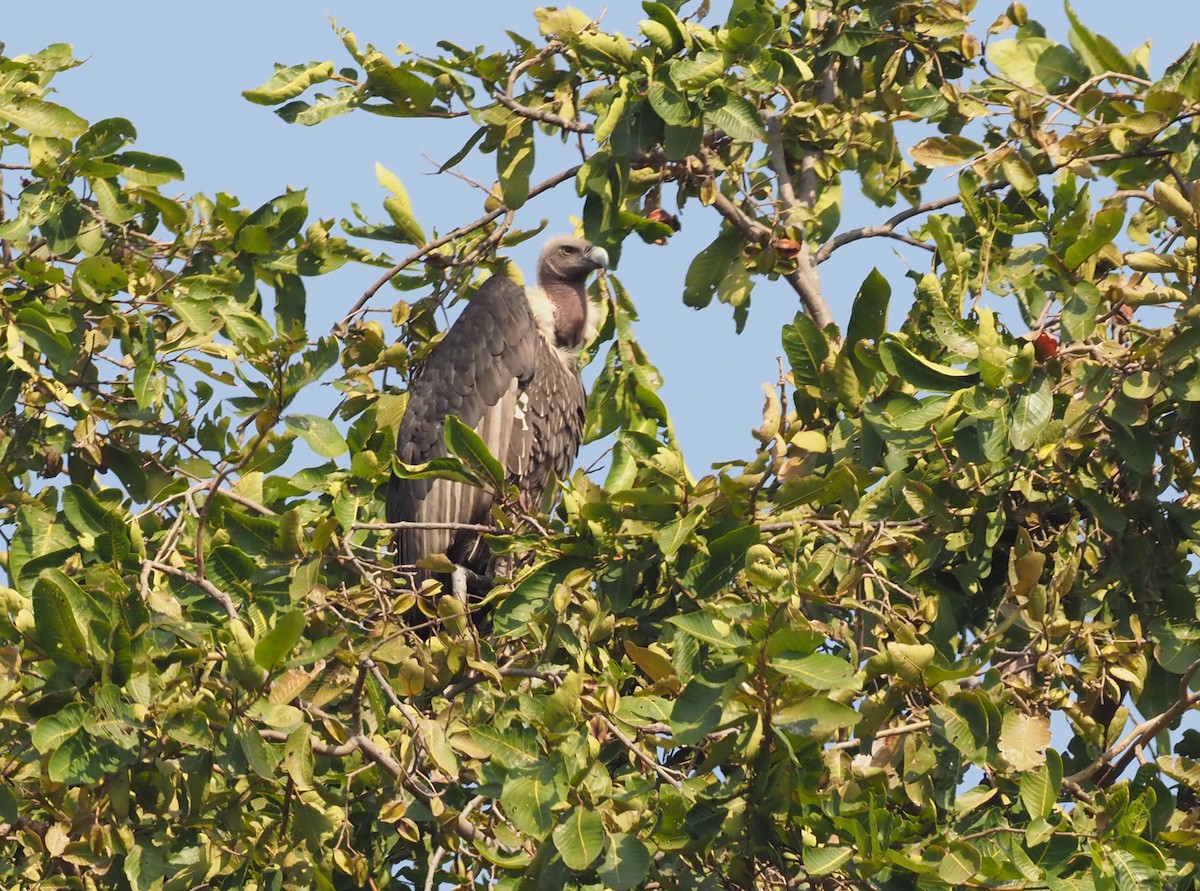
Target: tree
(938,629)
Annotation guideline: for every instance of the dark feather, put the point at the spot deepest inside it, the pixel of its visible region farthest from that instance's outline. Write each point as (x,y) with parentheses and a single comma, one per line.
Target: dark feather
(490,350)
(506,378)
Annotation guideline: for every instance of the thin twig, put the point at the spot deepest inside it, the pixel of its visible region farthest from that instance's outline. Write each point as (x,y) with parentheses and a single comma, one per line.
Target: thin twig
(544,117)
(882,734)
(421,524)
(888,227)
(203,584)
(670,776)
(341,327)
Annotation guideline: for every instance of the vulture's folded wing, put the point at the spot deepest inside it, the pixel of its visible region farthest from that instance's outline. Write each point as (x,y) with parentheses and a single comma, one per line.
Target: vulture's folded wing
(478,372)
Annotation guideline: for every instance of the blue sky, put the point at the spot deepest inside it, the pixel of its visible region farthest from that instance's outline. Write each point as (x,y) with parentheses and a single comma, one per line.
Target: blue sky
(176,70)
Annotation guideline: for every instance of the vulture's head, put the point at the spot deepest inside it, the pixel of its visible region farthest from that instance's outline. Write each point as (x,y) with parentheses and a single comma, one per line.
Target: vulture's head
(569,260)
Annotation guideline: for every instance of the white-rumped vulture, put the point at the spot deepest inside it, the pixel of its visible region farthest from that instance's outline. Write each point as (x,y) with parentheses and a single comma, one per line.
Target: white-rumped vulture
(508,368)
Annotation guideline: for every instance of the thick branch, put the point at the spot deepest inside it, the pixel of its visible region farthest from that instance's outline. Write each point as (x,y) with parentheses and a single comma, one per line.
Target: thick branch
(804,279)
(1117,758)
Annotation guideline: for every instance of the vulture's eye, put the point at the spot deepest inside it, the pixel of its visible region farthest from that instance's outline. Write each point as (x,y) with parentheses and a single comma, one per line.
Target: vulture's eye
(567,249)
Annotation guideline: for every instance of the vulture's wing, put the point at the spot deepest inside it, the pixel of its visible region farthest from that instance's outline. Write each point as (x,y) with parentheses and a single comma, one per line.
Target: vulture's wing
(478,372)
(555,407)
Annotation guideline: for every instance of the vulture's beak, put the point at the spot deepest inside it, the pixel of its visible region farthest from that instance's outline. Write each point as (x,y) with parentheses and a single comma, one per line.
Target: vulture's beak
(598,257)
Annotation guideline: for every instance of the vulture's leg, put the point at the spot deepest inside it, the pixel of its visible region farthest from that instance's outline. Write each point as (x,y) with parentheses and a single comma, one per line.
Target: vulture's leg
(458,584)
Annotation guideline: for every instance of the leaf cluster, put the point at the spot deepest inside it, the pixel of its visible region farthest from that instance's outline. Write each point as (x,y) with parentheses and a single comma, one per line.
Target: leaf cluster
(936,628)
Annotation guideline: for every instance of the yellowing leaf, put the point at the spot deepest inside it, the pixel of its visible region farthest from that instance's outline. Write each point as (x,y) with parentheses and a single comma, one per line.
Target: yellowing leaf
(1023,740)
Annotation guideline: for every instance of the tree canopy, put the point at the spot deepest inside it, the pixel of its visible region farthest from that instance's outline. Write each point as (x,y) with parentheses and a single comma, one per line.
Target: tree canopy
(937,626)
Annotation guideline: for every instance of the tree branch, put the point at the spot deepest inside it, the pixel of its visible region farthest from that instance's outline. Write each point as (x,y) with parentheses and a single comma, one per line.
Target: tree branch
(882,734)
(203,584)
(888,228)
(536,114)
(1116,759)
(804,279)
(668,776)
(341,327)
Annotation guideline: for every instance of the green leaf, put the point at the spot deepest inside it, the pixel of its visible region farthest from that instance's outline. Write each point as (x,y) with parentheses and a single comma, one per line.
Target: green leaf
(920,372)
(53,730)
(821,861)
(806,348)
(709,268)
(820,671)
(148,170)
(1023,740)
(1132,873)
(84,512)
(670,105)
(697,711)
(1105,227)
(552,20)
(514,163)
(98,278)
(626,862)
(1039,787)
(398,206)
(612,117)
(278,643)
(321,109)
(1097,52)
(694,74)
(706,628)
(319,433)
(1081,307)
(1020,174)
(993,356)
(112,201)
(816,717)
(467,445)
(105,137)
(945,151)
(959,865)
(672,37)
(39,329)
(739,119)
(735,289)
(529,796)
(868,314)
(1032,413)
(579,838)
(958,722)
(41,118)
(39,540)
(512,748)
(288,83)
(259,755)
(671,537)
(240,658)
(54,616)
(1037,62)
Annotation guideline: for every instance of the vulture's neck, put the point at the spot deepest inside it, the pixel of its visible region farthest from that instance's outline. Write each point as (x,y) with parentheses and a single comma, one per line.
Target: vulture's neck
(562,316)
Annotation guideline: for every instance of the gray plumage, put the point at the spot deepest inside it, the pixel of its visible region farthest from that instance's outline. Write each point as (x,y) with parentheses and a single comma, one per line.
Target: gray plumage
(508,368)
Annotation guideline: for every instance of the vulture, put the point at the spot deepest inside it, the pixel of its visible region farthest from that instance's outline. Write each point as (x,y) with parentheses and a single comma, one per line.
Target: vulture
(508,368)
